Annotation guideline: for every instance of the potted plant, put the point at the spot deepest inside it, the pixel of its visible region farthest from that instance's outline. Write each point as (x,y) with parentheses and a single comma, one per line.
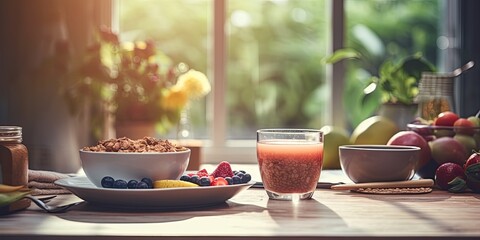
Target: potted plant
(134,82)
(394,88)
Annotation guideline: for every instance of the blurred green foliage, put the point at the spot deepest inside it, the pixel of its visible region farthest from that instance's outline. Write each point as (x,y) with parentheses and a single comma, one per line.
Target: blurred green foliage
(274,73)
(385,30)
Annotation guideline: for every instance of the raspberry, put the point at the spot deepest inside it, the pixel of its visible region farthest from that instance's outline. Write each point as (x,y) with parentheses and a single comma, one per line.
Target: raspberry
(202,173)
(223,170)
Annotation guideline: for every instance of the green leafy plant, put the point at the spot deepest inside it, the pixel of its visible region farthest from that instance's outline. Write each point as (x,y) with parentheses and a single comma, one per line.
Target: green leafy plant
(396,81)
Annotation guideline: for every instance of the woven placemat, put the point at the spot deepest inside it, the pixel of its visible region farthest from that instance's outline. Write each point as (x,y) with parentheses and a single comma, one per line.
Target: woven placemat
(418,190)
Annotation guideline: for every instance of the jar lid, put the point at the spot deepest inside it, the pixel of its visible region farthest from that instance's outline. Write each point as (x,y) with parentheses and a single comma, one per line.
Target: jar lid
(10,134)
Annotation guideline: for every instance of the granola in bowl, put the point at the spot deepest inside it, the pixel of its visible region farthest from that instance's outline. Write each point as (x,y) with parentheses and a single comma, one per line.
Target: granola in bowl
(124,144)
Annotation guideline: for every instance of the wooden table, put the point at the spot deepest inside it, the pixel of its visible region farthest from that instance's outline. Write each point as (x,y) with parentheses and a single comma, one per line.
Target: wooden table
(250,214)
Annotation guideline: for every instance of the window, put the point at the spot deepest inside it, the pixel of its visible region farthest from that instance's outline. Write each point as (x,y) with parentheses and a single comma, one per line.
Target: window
(264,58)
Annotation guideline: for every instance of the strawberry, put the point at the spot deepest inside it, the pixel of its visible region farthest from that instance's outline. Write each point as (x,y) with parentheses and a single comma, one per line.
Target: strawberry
(472,171)
(219,181)
(450,176)
(223,170)
(202,173)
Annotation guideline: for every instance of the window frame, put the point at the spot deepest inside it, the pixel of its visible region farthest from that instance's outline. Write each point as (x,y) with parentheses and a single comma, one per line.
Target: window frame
(219,148)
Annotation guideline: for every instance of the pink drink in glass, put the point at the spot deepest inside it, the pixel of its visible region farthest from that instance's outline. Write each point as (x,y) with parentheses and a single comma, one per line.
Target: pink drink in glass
(290,167)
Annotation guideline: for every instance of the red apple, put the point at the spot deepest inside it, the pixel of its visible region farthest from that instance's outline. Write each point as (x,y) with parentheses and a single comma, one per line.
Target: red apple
(463,126)
(411,138)
(446,119)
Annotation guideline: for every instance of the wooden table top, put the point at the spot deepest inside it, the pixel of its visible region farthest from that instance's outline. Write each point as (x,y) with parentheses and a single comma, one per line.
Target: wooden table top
(250,214)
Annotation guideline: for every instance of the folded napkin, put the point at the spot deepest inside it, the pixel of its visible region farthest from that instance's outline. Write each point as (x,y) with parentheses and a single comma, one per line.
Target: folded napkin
(41,182)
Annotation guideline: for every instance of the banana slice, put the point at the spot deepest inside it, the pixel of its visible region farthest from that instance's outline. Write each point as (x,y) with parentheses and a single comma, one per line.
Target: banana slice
(7,188)
(173,184)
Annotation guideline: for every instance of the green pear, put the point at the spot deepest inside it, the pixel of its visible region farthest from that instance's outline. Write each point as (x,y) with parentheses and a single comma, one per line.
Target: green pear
(333,137)
(374,130)
(476,123)
(474,120)
(467,141)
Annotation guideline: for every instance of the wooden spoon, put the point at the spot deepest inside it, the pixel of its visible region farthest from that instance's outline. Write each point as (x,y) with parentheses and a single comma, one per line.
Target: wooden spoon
(395,184)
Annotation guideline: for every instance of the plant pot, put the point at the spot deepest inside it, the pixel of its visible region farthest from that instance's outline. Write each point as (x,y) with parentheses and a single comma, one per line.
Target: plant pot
(400,114)
(135,129)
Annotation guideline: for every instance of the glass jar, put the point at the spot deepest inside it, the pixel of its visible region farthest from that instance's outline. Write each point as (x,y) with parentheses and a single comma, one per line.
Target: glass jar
(435,95)
(13,163)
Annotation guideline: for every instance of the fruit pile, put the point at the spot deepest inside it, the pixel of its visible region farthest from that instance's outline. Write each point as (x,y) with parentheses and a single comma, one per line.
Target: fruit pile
(222,175)
(465,132)
(450,139)
(446,144)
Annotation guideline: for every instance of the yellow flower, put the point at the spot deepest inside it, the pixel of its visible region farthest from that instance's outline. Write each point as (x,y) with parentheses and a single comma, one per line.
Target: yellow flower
(128,46)
(174,98)
(194,83)
(141,45)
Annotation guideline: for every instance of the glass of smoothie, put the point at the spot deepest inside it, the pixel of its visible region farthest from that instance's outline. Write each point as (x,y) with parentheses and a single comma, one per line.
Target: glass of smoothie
(290,162)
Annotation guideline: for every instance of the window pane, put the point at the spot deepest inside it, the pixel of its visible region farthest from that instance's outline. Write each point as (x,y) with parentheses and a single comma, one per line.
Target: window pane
(179,29)
(275,75)
(385,29)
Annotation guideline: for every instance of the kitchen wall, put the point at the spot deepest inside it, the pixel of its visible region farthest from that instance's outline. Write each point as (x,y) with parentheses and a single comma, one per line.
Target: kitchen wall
(29,86)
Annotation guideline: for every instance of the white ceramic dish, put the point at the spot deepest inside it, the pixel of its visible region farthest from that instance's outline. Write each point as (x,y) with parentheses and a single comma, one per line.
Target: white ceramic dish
(166,198)
(128,166)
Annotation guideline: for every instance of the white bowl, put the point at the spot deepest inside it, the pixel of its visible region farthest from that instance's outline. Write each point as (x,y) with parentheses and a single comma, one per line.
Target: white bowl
(378,163)
(134,165)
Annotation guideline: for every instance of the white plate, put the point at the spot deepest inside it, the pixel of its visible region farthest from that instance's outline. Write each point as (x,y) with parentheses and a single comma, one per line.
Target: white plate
(190,197)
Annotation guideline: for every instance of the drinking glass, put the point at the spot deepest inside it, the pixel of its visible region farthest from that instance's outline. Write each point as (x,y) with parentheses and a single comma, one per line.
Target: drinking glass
(290,162)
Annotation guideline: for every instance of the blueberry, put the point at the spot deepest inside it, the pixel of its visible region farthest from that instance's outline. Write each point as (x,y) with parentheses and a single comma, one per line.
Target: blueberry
(236,180)
(107,182)
(229,180)
(142,185)
(204,181)
(120,184)
(148,181)
(246,178)
(194,179)
(242,171)
(185,178)
(240,174)
(132,184)
(235,172)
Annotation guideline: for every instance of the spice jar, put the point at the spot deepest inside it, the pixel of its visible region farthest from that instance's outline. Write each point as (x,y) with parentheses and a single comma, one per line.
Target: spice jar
(435,95)
(13,163)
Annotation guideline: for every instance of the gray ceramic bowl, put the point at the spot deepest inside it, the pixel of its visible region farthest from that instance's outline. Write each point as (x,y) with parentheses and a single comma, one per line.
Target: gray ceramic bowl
(128,166)
(378,163)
